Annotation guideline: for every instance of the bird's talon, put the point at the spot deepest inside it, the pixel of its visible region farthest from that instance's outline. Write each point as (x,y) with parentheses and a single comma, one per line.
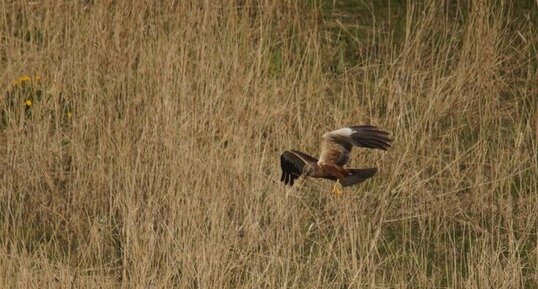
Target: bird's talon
(336,189)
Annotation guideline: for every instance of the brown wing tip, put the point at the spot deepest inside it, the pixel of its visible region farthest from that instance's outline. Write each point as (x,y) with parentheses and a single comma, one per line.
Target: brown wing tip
(291,165)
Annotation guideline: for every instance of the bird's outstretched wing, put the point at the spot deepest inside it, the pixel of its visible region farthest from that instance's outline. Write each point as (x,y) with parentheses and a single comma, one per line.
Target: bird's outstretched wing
(292,164)
(336,145)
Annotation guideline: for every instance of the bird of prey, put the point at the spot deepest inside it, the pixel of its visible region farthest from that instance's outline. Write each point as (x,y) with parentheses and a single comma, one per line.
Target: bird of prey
(335,149)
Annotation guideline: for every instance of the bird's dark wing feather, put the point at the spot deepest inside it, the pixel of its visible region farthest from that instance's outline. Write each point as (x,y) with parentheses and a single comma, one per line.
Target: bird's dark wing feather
(292,164)
(369,136)
(307,158)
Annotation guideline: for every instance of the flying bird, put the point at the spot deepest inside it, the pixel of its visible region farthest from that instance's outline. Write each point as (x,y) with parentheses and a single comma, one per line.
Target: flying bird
(336,146)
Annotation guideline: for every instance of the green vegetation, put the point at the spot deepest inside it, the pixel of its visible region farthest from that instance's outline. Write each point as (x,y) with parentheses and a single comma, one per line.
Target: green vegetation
(140,144)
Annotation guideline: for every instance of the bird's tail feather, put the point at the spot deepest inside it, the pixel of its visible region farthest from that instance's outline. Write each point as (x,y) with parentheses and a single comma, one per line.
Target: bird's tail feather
(357,176)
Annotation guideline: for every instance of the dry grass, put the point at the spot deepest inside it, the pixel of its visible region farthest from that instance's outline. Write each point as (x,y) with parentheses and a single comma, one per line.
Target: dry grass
(166,172)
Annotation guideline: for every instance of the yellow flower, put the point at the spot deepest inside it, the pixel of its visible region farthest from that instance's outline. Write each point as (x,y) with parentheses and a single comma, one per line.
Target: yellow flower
(21,80)
(69,114)
(28,102)
(25,79)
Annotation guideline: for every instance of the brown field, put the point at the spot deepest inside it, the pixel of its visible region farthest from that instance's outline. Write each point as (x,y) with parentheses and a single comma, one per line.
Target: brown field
(140,144)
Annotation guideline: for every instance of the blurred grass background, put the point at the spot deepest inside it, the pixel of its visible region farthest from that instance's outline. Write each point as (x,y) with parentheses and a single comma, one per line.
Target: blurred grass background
(140,143)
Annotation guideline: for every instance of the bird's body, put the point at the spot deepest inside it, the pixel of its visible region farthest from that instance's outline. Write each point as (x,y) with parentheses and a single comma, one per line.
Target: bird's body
(335,149)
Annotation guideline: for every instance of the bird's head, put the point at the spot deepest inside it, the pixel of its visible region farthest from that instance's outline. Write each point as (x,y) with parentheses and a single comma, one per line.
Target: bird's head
(310,169)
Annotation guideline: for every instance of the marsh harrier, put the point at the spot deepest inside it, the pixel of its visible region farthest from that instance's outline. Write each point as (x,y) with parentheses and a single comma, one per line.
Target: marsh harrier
(335,149)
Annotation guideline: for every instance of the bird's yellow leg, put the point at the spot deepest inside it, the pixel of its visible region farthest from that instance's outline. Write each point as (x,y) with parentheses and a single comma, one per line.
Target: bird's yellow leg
(337,188)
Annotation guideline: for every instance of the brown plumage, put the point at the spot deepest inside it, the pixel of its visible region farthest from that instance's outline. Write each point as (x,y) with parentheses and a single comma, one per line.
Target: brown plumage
(335,149)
